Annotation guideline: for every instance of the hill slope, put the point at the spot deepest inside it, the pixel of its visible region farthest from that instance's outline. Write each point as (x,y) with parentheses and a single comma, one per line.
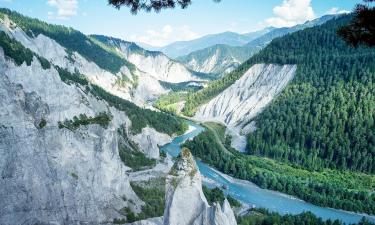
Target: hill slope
(325,116)
(181,48)
(222,59)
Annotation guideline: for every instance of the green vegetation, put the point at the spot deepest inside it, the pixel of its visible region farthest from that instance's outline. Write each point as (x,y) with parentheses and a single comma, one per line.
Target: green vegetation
(15,50)
(264,217)
(71,39)
(135,159)
(102,119)
(326,117)
(195,99)
(183,86)
(42,123)
(337,189)
(217,195)
(141,118)
(169,102)
(70,78)
(131,155)
(152,192)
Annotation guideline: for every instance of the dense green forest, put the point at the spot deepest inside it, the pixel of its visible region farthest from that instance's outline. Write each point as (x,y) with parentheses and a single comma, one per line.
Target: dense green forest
(337,189)
(264,217)
(72,40)
(325,117)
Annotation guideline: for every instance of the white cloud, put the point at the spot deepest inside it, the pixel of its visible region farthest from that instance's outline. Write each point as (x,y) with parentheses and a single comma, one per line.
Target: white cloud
(65,8)
(166,35)
(290,13)
(336,10)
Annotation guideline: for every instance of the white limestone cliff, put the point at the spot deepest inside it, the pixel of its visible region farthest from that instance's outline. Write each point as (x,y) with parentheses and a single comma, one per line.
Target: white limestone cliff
(149,141)
(51,175)
(185,201)
(246,98)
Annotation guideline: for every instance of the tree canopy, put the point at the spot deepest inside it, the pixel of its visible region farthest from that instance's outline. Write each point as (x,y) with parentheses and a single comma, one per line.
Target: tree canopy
(148,5)
(361,30)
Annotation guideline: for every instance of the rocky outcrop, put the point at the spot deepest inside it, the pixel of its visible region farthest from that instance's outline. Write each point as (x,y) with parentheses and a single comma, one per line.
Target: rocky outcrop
(149,141)
(246,98)
(51,175)
(185,201)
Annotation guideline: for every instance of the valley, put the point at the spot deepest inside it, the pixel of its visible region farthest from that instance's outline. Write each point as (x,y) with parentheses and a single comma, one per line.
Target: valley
(273,125)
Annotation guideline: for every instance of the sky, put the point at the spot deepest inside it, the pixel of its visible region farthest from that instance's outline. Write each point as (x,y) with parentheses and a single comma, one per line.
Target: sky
(202,17)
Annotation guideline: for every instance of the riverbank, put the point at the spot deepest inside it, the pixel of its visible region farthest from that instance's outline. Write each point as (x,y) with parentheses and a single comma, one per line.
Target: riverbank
(252,194)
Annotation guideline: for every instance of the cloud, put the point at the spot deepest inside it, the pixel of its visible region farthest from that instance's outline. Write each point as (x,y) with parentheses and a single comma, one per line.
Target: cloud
(166,35)
(65,8)
(336,10)
(291,13)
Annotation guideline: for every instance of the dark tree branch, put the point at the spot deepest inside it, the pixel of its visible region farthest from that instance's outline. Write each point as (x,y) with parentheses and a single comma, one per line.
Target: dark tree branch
(148,5)
(361,30)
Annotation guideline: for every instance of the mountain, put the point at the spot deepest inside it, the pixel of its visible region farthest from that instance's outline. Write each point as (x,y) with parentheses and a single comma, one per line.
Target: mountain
(102,64)
(154,63)
(322,111)
(248,96)
(181,48)
(222,59)
(71,143)
(218,59)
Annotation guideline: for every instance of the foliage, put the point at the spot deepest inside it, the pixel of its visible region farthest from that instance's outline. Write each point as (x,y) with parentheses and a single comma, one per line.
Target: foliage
(361,29)
(70,78)
(134,158)
(141,118)
(264,217)
(183,86)
(157,5)
(217,195)
(170,102)
(71,39)
(332,188)
(152,193)
(325,117)
(214,88)
(20,54)
(102,119)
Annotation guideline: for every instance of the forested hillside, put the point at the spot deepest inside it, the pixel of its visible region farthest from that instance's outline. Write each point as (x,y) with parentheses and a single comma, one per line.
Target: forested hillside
(72,40)
(325,117)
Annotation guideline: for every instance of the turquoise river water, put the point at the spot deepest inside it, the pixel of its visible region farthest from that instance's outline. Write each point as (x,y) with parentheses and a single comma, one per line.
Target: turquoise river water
(253,195)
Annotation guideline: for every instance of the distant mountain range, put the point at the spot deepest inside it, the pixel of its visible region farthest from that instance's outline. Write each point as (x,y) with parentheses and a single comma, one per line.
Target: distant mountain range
(221,59)
(181,48)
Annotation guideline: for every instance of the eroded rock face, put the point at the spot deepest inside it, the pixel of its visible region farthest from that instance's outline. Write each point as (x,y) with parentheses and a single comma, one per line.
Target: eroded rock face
(246,98)
(185,201)
(149,141)
(50,175)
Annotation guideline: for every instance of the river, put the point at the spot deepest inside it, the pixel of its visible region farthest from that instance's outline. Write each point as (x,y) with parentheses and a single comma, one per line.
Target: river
(253,195)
